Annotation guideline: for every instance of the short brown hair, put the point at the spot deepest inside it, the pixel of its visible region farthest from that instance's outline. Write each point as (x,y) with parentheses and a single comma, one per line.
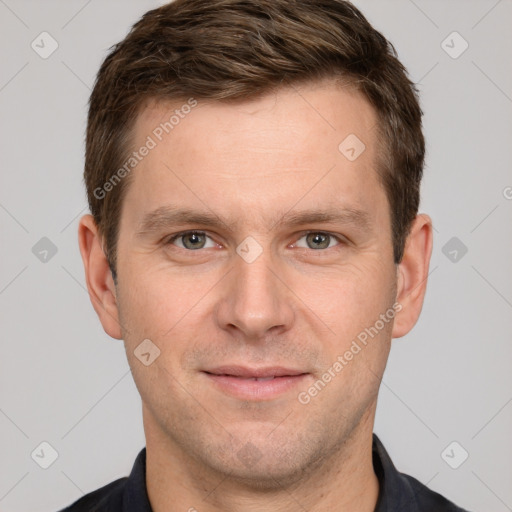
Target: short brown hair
(239,49)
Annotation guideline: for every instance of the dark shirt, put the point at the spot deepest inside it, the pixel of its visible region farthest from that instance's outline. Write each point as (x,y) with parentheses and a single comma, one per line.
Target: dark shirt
(398,492)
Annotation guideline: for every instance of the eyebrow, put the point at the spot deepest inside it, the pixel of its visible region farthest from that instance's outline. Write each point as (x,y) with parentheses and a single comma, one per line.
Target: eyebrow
(165,217)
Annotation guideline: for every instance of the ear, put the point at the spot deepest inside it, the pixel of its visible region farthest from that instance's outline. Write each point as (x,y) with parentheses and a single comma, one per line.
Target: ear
(412,275)
(100,284)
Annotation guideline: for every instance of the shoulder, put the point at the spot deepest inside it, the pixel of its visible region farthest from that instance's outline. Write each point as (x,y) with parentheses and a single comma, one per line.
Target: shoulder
(403,493)
(427,500)
(125,494)
(107,498)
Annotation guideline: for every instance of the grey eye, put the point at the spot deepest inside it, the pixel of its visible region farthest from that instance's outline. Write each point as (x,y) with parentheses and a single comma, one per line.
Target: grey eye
(318,240)
(192,240)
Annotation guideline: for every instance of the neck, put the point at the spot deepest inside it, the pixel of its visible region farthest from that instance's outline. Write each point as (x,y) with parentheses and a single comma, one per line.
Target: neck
(346,482)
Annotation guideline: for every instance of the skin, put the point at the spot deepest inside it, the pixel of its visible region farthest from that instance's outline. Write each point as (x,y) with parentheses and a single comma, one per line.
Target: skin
(295,305)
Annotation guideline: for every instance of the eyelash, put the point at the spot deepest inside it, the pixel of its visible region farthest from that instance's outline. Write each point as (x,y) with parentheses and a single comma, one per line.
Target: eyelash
(175,237)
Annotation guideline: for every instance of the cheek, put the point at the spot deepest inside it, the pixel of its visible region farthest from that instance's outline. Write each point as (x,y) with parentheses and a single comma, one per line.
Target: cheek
(350,299)
(368,339)
(156,302)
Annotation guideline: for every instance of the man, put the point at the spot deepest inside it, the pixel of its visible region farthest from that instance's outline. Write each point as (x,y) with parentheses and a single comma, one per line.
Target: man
(253,171)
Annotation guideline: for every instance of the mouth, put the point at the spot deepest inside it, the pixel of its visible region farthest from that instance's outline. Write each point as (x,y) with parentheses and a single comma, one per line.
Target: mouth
(257,384)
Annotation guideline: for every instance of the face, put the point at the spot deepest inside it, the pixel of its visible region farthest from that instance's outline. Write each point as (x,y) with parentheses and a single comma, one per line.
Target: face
(254,253)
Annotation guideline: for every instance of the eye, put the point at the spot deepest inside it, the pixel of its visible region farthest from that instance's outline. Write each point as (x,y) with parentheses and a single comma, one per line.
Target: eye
(318,240)
(191,240)
(194,240)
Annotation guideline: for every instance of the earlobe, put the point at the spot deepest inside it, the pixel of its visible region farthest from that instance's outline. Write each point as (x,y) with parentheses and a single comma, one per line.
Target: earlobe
(412,273)
(101,287)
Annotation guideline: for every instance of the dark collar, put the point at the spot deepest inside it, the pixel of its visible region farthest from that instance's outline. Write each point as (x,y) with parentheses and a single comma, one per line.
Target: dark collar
(135,496)
(403,493)
(398,492)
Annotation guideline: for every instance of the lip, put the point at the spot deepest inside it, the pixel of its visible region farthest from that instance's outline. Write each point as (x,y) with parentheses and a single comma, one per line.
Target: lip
(256,384)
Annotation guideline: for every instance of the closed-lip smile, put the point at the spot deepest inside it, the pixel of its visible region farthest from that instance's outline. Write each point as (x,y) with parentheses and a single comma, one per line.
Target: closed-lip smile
(263,383)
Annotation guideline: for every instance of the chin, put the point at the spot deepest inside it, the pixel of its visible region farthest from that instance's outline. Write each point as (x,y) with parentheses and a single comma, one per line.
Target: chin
(259,464)
(266,476)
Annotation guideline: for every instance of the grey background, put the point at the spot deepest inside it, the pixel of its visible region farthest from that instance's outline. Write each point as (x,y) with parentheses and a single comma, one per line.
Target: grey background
(64,381)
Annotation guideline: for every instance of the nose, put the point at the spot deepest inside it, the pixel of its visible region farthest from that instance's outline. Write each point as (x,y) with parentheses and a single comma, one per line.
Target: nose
(256,301)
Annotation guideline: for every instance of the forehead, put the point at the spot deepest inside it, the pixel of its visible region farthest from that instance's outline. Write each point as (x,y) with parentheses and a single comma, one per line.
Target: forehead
(293,113)
(295,145)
